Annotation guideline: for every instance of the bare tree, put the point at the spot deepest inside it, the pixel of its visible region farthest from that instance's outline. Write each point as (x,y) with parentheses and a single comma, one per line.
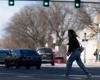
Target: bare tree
(33,27)
(28,28)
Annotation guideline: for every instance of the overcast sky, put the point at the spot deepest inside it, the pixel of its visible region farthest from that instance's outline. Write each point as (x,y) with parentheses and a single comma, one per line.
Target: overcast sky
(6,12)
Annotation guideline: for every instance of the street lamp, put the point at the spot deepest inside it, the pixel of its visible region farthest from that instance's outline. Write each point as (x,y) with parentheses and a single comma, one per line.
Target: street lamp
(97,22)
(85,40)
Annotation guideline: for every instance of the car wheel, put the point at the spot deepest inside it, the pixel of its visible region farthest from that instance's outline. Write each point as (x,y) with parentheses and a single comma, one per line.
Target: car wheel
(27,67)
(52,63)
(38,67)
(17,66)
(7,65)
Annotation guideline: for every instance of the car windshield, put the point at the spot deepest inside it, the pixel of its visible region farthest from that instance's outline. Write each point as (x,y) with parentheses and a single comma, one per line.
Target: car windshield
(4,53)
(45,50)
(28,52)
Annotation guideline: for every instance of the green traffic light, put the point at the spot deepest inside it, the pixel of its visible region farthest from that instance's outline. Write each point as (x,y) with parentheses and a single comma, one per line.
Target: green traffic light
(11,2)
(77,5)
(46,3)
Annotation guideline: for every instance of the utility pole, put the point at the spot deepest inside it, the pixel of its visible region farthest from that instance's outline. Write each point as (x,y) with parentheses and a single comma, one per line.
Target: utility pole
(97,22)
(85,40)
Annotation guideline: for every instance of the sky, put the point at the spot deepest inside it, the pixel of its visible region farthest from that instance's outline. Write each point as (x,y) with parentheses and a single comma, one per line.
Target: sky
(6,12)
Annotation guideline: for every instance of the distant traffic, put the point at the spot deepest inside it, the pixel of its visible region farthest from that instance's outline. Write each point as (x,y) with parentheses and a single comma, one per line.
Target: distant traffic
(28,57)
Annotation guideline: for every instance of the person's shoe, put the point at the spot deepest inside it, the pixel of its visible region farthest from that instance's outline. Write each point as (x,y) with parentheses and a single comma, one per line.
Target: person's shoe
(88,75)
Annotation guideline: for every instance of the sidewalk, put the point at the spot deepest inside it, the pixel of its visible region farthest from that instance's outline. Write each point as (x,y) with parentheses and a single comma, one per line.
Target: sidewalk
(92,64)
(87,64)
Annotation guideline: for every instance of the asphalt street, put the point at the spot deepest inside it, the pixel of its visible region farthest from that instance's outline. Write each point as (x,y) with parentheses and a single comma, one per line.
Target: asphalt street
(47,72)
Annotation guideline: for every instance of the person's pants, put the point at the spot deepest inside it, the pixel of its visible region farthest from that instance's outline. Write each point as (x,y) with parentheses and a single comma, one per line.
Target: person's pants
(75,55)
(97,58)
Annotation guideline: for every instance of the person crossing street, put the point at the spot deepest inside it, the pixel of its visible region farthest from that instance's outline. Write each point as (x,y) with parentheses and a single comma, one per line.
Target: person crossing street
(73,51)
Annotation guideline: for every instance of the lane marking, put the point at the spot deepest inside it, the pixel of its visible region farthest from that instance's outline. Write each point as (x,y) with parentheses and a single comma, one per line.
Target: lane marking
(24,76)
(47,76)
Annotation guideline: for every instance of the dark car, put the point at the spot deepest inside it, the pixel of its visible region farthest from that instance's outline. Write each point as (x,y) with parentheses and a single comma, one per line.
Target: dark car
(23,57)
(3,54)
(47,55)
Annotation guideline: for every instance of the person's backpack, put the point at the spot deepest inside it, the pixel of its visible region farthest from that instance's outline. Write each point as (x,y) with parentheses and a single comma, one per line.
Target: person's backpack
(95,53)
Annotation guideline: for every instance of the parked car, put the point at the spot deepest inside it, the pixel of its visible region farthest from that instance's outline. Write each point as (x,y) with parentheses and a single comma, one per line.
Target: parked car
(47,55)
(23,57)
(3,54)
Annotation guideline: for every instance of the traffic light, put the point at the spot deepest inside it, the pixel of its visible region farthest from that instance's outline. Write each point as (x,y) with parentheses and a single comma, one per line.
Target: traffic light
(11,2)
(46,3)
(77,3)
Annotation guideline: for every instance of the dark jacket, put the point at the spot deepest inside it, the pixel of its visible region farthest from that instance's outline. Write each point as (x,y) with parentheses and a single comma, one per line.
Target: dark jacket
(96,52)
(73,44)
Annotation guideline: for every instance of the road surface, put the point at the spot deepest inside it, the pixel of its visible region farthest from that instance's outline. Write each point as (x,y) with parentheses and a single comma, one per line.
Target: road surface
(47,72)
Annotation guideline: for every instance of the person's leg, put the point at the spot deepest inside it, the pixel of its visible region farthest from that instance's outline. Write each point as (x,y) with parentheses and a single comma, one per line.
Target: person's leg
(69,65)
(96,58)
(82,66)
(70,62)
(99,58)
